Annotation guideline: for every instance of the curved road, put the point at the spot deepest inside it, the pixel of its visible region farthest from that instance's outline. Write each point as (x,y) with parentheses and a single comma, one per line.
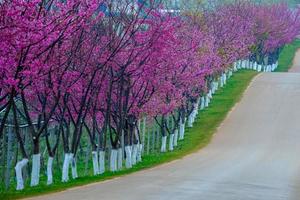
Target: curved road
(255,155)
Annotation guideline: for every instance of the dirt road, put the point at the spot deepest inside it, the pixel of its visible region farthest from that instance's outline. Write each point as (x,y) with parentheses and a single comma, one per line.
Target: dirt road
(255,155)
(296,63)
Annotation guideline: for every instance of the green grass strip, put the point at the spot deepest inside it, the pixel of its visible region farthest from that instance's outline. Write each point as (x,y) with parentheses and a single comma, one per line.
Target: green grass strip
(287,55)
(196,138)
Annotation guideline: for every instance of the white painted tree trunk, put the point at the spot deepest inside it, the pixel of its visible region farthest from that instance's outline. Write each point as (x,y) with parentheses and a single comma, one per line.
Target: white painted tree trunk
(101,162)
(163,144)
(190,120)
(235,66)
(35,170)
(197,107)
(202,104)
(206,101)
(209,94)
(181,129)
(128,163)
(224,78)
(221,81)
(65,170)
(241,64)
(259,67)
(244,64)
(217,85)
(120,159)
(139,153)
(144,134)
(49,171)
(113,160)
(273,67)
(255,66)
(230,74)
(134,154)
(19,176)
(73,166)
(238,65)
(176,138)
(171,142)
(95,162)
(213,90)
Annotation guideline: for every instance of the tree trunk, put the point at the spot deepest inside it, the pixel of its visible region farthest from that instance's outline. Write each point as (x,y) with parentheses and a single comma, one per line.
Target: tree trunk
(113,160)
(128,163)
(175,137)
(202,105)
(49,171)
(66,165)
(171,142)
(206,101)
(19,175)
(190,120)
(148,141)
(163,144)
(120,159)
(134,154)
(74,166)
(95,162)
(35,170)
(144,134)
(139,153)
(9,156)
(101,162)
(181,128)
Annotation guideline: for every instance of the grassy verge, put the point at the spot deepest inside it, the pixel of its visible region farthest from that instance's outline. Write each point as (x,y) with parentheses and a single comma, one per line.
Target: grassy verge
(196,138)
(286,57)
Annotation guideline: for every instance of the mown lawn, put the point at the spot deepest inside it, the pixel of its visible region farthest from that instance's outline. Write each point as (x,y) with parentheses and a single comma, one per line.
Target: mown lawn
(196,138)
(287,55)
